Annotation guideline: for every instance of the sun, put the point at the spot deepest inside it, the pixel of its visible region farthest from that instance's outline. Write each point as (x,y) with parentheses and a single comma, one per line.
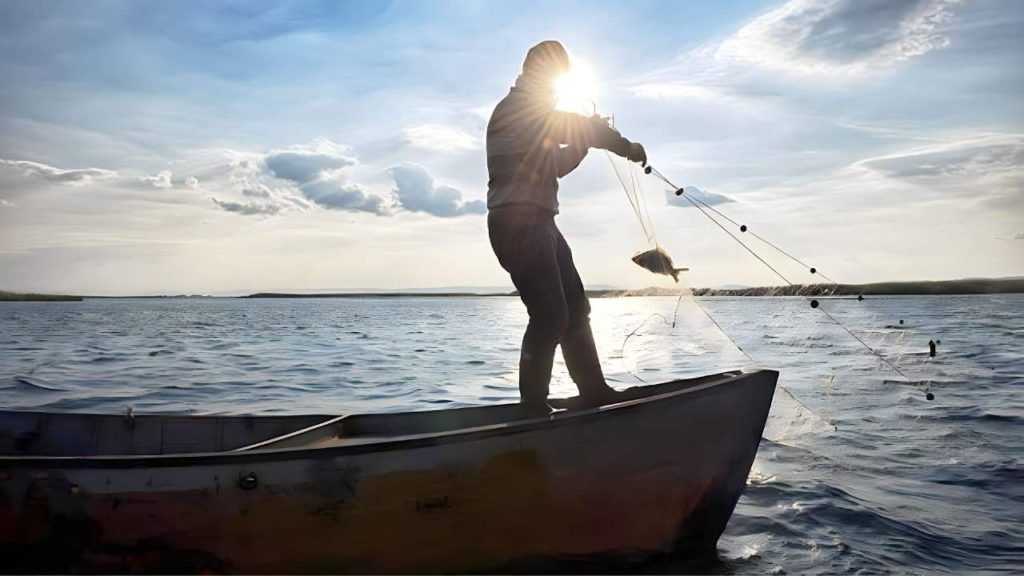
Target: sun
(577,89)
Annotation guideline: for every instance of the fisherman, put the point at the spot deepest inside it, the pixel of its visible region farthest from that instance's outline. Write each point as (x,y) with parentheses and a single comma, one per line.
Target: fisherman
(530,145)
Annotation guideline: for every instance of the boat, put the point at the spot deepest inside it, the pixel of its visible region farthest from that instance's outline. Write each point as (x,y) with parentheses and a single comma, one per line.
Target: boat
(491,488)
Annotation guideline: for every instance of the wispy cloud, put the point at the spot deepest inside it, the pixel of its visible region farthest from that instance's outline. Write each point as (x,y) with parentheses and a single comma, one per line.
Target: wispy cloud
(248,208)
(988,168)
(978,156)
(806,39)
(52,174)
(840,36)
(674,91)
(441,138)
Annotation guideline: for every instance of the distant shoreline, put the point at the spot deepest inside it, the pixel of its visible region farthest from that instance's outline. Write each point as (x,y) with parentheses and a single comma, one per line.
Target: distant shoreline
(916,288)
(32,297)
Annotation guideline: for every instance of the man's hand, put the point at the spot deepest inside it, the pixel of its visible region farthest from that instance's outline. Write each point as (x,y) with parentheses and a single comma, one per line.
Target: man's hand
(637,153)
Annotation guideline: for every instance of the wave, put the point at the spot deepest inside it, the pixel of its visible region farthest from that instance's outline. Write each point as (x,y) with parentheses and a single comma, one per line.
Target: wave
(37,384)
(798,515)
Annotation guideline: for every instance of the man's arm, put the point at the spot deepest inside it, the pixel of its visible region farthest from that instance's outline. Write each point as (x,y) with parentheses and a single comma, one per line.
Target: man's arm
(592,132)
(569,157)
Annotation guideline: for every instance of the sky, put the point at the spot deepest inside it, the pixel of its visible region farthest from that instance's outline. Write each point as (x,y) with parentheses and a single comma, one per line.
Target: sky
(231,147)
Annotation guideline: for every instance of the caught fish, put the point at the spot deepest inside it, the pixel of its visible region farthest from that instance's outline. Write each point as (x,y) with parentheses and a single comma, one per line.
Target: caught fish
(659,262)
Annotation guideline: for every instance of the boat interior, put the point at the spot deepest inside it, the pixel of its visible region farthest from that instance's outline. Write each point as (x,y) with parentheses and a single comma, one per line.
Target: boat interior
(80,435)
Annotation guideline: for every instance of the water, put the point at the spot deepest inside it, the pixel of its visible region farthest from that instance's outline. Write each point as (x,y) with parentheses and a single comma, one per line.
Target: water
(868,477)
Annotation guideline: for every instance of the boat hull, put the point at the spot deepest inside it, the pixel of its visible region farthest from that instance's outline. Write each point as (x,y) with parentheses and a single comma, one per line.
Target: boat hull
(634,480)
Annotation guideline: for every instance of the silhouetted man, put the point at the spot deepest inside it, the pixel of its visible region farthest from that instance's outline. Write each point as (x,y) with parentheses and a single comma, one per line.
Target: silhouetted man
(530,145)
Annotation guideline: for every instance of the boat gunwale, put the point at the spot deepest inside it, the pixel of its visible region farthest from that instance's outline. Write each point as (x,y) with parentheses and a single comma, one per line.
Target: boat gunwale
(380,444)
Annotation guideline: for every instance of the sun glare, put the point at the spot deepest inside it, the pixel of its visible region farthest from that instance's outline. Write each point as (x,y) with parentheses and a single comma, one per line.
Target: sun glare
(577,89)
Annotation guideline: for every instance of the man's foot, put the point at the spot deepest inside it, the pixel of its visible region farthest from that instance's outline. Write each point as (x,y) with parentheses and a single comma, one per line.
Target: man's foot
(535,409)
(601,397)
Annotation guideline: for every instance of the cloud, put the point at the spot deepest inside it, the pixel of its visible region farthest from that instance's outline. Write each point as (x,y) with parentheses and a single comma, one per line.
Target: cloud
(975,157)
(343,195)
(237,182)
(317,171)
(709,198)
(160,180)
(301,164)
(441,138)
(416,192)
(248,208)
(840,36)
(989,168)
(674,91)
(51,174)
(296,177)
(257,190)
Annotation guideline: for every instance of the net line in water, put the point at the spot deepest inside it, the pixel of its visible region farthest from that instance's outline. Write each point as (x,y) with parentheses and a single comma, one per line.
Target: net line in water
(700,345)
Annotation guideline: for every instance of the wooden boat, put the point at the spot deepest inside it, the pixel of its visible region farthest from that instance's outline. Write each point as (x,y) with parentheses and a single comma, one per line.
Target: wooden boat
(470,489)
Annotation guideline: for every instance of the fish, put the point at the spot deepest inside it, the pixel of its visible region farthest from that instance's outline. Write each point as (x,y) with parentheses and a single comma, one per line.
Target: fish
(659,262)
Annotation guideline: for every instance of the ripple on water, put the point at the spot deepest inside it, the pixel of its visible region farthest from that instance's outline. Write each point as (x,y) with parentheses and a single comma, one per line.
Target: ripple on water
(903,485)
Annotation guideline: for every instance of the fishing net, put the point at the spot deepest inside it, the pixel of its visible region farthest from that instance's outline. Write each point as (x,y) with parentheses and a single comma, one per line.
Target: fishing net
(686,336)
(682,338)
(666,338)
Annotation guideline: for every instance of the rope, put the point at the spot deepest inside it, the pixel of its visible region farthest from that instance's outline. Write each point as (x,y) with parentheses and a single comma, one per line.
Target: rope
(637,200)
(744,228)
(814,303)
(741,243)
(639,190)
(632,197)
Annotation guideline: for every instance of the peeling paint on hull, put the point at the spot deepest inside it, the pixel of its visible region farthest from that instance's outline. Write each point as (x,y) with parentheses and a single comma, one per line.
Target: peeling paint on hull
(657,476)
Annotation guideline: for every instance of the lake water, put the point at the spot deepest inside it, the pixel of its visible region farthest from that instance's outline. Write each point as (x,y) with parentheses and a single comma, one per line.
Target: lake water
(858,471)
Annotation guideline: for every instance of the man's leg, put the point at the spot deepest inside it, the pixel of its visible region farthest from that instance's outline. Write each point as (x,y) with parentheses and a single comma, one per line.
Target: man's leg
(578,347)
(540,288)
(529,254)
